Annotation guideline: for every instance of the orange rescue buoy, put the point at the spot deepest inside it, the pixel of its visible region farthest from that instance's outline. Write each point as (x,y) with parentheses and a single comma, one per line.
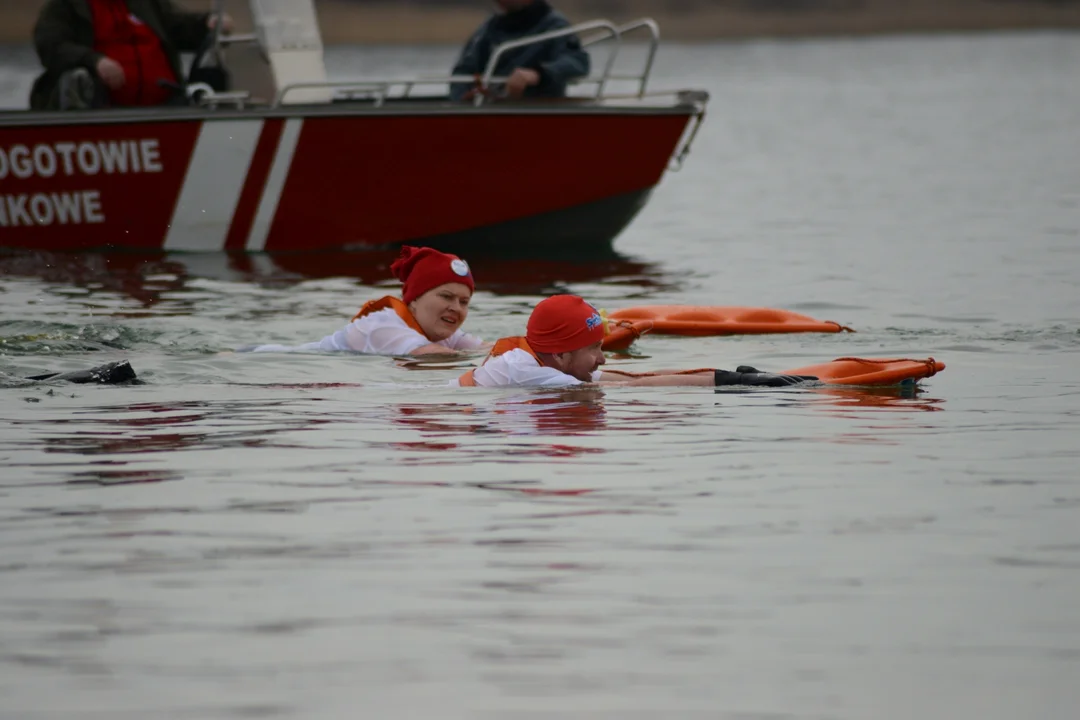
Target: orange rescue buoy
(870,371)
(706,320)
(627,325)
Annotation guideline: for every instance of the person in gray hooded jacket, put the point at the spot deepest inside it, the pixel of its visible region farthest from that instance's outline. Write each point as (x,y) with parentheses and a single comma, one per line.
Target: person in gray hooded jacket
(538,70)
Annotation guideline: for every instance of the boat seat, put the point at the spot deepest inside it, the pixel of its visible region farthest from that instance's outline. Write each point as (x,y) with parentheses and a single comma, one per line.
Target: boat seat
(288,32)
(275,43)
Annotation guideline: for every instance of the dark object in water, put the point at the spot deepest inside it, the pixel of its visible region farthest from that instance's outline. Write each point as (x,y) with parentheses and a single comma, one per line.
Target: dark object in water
(108,374)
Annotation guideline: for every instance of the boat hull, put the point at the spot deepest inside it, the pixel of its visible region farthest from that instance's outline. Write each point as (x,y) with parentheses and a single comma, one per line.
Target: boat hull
(315,180)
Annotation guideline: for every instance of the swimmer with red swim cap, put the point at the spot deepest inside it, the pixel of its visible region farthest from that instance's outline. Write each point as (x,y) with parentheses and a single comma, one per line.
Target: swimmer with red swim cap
(436,290)
(562,346)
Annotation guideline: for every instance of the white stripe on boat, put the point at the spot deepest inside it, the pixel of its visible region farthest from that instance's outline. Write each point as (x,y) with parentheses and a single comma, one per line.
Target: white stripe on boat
(279,172)
(215,176)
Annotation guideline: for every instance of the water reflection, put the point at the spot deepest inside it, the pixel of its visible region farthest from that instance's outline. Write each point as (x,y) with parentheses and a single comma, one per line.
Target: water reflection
(906,398)
(881,415)
(142,277)
(106,478)
(148,277)
(570,412)
(167,427)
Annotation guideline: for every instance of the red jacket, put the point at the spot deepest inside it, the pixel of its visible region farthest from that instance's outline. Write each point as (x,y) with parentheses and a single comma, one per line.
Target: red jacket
(65,35)
(122,37)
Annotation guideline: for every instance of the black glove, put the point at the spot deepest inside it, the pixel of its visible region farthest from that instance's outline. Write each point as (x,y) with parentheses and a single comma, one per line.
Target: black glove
(752,377)
(803,378)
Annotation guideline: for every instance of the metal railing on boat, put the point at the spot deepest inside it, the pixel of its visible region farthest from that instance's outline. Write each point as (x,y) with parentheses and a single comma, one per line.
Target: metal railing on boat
(654,42)
(381,90)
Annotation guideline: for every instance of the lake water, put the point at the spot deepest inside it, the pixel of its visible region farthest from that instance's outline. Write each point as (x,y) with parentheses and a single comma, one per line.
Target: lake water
(328,537)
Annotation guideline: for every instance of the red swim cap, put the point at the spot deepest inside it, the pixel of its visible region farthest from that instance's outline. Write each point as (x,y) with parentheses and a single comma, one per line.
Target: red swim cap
(422,269)
(563,323)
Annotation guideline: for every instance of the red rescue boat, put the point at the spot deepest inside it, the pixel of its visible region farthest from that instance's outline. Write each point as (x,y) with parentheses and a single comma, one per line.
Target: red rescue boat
(319,165)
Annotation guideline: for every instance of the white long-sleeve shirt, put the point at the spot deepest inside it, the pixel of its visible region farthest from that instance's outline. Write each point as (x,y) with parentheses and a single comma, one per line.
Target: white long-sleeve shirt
(517,368)
(380,333)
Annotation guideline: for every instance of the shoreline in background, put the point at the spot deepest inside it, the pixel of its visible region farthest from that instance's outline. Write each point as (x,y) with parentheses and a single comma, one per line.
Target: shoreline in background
(345,22)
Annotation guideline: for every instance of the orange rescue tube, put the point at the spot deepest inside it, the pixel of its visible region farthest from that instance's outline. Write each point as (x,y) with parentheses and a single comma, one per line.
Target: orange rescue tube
(871,371)
(703,320)
(622,334)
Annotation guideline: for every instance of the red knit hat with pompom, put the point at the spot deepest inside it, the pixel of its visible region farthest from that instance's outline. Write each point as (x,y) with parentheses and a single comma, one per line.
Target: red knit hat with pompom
(422,269)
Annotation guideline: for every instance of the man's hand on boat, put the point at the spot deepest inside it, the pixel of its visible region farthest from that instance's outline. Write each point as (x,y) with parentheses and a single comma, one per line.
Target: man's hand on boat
(226,23)
(514,89)
(520,79)
(111,73)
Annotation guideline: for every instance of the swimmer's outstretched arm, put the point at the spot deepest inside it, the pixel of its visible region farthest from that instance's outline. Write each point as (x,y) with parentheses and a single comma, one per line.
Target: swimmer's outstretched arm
(661,378)
(436,349)
(707,377)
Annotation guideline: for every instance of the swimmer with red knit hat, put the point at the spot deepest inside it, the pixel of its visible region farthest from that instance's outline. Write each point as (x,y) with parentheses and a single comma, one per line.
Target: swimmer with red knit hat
(435,295)
(562,346)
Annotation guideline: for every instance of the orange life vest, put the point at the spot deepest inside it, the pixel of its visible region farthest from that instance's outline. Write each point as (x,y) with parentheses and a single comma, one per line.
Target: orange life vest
(402,310)
(121,36)
(500,347)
